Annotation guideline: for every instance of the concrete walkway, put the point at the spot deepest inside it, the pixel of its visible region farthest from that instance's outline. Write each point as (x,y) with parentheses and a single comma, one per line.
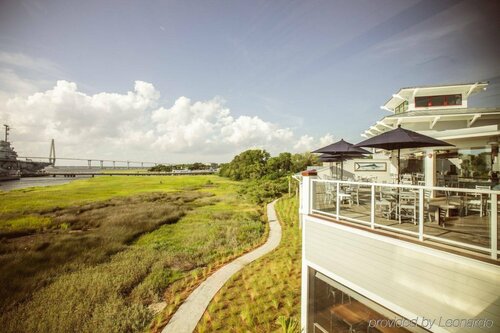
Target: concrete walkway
(189,313)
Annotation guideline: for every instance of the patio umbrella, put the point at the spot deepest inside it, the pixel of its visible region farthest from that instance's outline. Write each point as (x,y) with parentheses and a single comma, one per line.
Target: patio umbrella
(332,159)
(342,149)
(401,138)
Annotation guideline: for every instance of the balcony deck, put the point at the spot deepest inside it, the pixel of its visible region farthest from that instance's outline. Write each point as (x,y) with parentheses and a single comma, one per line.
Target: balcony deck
(443,223)
(471,229)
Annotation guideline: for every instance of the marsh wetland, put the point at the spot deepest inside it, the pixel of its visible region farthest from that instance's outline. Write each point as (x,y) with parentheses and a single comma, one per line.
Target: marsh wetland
(116,254)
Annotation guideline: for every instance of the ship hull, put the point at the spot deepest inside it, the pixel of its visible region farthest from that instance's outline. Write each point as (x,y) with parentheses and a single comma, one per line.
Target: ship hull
(7,178)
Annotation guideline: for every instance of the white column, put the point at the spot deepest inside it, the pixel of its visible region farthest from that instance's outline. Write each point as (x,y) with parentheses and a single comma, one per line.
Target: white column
(304,285)
(306,193)
(430,168)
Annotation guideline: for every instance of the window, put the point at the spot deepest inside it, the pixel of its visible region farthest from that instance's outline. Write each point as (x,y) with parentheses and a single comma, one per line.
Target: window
(442,100)
(403,107)
(333,308)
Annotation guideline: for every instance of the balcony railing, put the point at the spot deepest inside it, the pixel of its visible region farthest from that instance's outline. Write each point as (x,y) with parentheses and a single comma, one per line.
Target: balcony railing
(462,218)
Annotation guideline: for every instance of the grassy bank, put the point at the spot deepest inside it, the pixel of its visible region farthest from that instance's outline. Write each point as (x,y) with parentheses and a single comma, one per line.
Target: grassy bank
(264,290)
(93,255)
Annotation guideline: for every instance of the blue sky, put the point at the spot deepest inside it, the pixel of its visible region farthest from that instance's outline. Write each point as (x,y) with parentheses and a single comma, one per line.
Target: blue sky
(283,75)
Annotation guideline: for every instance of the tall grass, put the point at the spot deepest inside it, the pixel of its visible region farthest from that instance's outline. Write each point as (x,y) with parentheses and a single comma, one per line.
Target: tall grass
(266,290)
(98,264)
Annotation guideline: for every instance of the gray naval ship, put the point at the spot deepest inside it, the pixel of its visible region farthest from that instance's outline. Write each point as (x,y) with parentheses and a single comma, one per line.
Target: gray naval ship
(11,168)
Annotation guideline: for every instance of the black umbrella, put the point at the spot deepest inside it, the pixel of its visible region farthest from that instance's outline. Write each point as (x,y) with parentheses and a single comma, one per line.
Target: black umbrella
(401,138)
(332,159)
(342,149)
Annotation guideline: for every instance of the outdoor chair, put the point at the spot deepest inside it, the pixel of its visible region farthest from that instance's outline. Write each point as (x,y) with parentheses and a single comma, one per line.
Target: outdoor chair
(455,202)
(384,204)
(330,192)
(353,190)
(477,202)
(432,210)
(407,206)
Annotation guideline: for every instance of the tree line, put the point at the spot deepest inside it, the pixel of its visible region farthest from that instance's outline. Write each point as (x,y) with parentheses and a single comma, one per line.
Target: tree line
(185,166)
(258,164)
(267,177)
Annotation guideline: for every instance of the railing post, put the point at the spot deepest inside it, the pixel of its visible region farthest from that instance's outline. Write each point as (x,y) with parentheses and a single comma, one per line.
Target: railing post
(421,214)
(494,226)
(338,200)
(372,208)
(306,194)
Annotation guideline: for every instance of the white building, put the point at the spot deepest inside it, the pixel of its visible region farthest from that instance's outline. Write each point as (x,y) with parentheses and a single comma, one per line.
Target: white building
(441,112)
(381,257)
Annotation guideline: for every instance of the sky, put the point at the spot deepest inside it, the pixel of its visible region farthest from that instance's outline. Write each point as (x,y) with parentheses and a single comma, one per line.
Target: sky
(185,81)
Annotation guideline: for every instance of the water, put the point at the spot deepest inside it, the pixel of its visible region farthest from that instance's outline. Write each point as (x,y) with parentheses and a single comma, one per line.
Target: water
(36,181)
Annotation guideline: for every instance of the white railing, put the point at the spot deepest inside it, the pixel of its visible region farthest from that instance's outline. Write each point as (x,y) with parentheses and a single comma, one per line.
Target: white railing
(460,217)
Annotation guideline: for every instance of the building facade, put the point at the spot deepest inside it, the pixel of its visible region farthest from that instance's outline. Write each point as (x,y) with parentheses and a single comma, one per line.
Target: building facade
(365,268)
(442,112)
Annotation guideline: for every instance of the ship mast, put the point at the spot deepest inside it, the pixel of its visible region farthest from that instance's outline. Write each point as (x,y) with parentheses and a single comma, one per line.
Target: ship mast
(7,128)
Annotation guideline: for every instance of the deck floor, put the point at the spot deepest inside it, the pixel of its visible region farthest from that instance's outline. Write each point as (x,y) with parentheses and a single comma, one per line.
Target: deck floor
(472,229)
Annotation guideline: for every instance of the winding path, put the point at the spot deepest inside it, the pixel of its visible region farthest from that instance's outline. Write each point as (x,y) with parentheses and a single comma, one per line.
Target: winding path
(189,313)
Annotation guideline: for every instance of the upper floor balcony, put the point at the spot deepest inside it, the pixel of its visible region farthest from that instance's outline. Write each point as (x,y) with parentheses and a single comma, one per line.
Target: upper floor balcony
(459,220)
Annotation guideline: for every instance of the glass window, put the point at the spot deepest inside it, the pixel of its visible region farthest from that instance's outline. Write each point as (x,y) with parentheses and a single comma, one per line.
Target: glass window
(421,101)
(454,99)
(403,107)
(474,163)
(438,100)
(336,308)
(441,100)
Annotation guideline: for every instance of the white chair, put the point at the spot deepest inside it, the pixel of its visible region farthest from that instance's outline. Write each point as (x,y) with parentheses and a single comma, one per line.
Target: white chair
(477,203)
(353,190)
(330,192)
(383,204)
(407,205)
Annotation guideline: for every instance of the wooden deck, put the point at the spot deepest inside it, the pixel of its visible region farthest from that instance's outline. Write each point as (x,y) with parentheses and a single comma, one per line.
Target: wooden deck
(471,229)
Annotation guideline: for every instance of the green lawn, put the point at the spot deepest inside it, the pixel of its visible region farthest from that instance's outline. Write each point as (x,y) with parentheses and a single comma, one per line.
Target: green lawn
(92,255)
(264,290)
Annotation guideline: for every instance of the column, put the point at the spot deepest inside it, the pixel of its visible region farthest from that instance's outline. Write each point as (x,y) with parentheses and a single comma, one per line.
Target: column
(305,194)
(430,168)
(495,164)
(306,191)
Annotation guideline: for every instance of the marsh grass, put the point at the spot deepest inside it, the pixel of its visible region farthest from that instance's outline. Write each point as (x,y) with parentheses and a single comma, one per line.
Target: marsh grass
(256,297)
(97,265)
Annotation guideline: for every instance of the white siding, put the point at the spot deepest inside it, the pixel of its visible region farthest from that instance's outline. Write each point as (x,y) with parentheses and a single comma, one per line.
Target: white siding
(407,278)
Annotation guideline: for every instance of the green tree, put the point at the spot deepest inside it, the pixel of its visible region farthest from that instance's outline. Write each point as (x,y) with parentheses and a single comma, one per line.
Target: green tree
(250,164)
(300,162)
(197,166)
(161,168)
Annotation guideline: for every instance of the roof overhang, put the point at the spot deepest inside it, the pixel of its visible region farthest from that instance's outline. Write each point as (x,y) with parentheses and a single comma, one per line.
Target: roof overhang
(409,93)
(470,118)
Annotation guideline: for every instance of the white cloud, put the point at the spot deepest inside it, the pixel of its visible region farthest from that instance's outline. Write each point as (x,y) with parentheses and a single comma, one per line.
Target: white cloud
(308,143)
(133,125)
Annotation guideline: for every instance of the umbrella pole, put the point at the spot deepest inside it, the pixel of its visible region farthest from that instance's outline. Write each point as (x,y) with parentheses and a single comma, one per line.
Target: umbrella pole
(341,168)
(399,164)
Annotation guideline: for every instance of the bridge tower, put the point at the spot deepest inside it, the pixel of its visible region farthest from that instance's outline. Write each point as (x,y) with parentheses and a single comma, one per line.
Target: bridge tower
(52,154)
(7,128)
